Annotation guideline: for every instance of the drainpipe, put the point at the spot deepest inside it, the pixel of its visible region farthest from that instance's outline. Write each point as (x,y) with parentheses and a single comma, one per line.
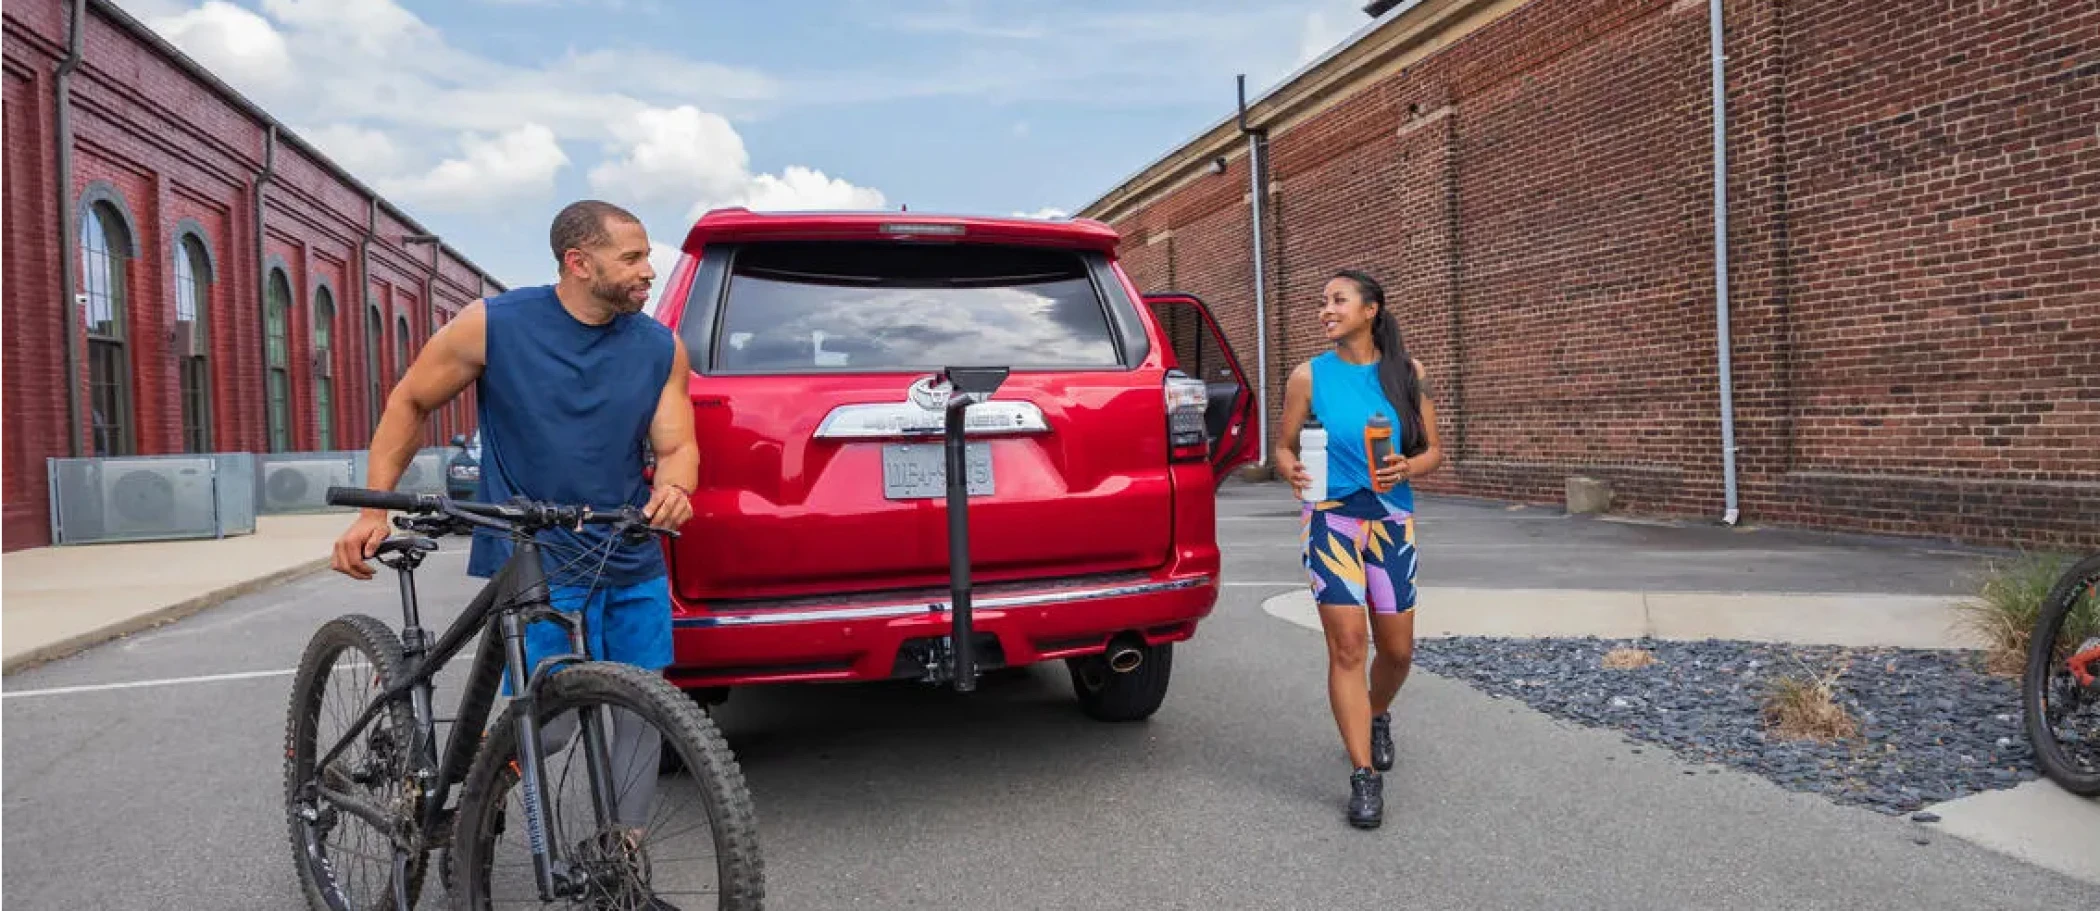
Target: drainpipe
(1261,308)
(1720,111)
(68,237)
(262,266)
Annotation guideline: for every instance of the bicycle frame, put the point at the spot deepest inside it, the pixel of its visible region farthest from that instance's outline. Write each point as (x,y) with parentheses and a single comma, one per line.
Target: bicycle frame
(521,584)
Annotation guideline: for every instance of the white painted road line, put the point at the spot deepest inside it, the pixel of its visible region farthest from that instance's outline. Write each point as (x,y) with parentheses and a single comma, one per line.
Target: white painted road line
(182,681)
(139,684)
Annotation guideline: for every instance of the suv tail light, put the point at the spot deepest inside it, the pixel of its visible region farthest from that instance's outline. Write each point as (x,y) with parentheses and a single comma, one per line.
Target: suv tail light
(1187,400)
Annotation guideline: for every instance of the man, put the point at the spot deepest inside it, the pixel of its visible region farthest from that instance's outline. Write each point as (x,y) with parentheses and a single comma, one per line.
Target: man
(573,382)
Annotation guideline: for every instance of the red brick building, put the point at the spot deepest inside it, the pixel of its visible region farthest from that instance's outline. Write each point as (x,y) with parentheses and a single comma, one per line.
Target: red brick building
(1913,249)
(210,281)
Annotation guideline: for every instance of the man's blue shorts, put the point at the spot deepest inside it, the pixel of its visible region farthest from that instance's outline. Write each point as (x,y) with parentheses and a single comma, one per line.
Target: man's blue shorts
(629,624)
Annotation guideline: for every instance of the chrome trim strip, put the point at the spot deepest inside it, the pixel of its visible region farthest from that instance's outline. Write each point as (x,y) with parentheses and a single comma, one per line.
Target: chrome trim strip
(885,611)
(877,420)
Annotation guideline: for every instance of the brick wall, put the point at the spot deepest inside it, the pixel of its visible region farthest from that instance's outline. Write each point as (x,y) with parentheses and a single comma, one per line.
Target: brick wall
(1914,256)
(177,158)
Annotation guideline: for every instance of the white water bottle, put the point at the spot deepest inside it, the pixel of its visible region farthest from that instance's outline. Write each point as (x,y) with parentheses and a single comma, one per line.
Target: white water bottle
(1312,451)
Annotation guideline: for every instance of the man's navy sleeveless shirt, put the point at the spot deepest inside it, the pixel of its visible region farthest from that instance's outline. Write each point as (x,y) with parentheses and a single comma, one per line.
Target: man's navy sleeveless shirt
(565,409)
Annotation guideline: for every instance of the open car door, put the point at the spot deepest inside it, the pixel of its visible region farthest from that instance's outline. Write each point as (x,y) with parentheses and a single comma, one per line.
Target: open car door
(1200,350)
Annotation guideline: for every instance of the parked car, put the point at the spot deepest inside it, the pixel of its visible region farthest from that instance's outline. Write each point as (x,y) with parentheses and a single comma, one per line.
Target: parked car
(819,548)
(463,471)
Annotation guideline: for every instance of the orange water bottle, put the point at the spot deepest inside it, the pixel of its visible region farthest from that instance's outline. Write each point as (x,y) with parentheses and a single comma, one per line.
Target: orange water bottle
(1378,446)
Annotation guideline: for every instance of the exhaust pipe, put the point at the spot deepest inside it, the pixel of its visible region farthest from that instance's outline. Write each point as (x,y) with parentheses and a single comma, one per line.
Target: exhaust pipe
(1124,657)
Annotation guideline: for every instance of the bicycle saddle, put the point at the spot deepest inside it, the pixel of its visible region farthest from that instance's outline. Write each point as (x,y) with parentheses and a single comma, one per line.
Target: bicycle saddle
(404,545)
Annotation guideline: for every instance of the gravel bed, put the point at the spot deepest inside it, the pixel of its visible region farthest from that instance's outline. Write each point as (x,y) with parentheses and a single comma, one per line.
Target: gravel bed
(1932,726)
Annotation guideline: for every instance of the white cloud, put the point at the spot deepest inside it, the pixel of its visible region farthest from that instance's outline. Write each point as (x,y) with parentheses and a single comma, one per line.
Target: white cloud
(1046,212)
(803,188)
(674,154)
(446,128)
(360,149)
(231,41)
(686,155)
(519,163)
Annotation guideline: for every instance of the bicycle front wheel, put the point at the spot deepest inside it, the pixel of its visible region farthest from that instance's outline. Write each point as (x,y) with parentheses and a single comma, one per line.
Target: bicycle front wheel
(687,840)
(2062,712)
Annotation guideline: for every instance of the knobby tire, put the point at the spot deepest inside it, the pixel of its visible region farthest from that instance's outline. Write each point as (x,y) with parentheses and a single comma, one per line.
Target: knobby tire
(685,730)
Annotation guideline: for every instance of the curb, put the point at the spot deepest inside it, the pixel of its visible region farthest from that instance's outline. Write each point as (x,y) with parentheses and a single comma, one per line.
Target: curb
(160,616)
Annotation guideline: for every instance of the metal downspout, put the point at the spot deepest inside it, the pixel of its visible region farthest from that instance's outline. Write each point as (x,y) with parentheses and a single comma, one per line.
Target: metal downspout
(1720,111)
(262,269)
(1261,308)
(68,237)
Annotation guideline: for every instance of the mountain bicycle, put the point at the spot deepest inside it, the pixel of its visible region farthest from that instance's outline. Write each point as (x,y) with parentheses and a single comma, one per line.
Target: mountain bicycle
(385,770)
(2060,691)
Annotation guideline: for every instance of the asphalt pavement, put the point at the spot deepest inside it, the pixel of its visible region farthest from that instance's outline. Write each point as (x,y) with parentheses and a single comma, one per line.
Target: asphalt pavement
(145,773)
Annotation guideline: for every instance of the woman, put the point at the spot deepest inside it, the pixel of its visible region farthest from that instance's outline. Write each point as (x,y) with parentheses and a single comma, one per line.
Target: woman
(1359,543)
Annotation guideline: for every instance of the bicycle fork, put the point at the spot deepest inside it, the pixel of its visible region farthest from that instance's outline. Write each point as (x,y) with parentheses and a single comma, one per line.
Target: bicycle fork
(556,876)
(552,873)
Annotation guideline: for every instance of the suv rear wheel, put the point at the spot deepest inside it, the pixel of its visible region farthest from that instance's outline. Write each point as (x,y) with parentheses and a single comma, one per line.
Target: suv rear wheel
(1106,694)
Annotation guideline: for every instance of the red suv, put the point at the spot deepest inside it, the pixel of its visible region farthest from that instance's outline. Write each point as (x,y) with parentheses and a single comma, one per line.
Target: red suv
(826,348)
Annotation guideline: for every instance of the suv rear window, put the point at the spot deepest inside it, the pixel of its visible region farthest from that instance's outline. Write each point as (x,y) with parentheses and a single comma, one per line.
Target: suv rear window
(808,307)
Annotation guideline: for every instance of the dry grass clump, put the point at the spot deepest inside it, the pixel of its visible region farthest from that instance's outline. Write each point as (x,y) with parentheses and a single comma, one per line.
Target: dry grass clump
(1626,658)
(1802,706)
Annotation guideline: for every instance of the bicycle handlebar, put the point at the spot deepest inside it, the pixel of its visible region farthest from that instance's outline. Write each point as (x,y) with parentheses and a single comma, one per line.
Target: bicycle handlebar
(520,514)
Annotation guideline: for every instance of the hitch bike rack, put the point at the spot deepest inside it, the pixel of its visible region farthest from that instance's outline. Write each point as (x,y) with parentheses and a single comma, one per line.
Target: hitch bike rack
(967,386)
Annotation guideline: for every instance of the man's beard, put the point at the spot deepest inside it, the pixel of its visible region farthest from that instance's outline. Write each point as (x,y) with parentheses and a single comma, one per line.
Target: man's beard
(615,296)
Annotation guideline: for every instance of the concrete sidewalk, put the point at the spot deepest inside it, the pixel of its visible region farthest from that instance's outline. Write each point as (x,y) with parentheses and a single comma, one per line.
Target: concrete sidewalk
(55,601)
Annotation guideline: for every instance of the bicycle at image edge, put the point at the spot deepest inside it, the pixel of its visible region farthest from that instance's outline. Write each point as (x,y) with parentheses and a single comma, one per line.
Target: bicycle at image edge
(386,771)
(2060,689)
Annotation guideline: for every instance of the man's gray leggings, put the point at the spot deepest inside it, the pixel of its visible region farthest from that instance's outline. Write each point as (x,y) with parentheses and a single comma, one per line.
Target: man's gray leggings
(635,747)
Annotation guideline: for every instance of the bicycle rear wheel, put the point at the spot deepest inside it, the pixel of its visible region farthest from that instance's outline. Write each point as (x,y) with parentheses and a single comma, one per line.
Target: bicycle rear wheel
(344,850)
(2062,713)
(622,864)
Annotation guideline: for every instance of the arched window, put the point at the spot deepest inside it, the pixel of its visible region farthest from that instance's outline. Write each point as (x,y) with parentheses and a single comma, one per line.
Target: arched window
(401,356)
(375,352)
(105,270)
(193,280)
(324,367)
(277,310)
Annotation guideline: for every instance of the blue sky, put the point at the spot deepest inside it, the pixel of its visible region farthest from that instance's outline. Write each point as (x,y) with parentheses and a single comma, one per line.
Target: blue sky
(482,117)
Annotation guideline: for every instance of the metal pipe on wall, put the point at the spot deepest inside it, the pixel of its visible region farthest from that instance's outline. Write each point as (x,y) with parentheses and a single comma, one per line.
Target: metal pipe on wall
(1261,307)
(262,265)
(1717,51)
(69,260)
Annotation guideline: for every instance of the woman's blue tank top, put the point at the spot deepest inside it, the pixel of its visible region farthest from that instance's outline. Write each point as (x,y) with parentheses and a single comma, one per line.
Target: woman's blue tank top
(565,409)
(1344,396)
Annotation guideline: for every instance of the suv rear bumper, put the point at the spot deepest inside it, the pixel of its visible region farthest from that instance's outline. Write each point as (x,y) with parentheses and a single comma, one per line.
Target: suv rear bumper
(887,640)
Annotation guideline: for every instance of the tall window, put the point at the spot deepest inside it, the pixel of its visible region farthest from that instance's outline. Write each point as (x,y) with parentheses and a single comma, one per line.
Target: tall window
(375,351)
(401,356)
(192,341)
(277,308)
(105,254)
(324,368)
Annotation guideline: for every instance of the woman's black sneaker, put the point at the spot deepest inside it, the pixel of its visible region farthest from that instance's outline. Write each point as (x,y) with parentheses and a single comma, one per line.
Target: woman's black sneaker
(1382,742)
(1366,799)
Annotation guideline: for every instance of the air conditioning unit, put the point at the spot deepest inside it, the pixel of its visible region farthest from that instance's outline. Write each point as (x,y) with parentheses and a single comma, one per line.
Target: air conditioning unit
(298,482)
(151,498)
(425,473)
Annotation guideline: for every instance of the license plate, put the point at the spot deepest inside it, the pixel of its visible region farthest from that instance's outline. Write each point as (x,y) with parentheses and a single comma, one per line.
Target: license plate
(918,471)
